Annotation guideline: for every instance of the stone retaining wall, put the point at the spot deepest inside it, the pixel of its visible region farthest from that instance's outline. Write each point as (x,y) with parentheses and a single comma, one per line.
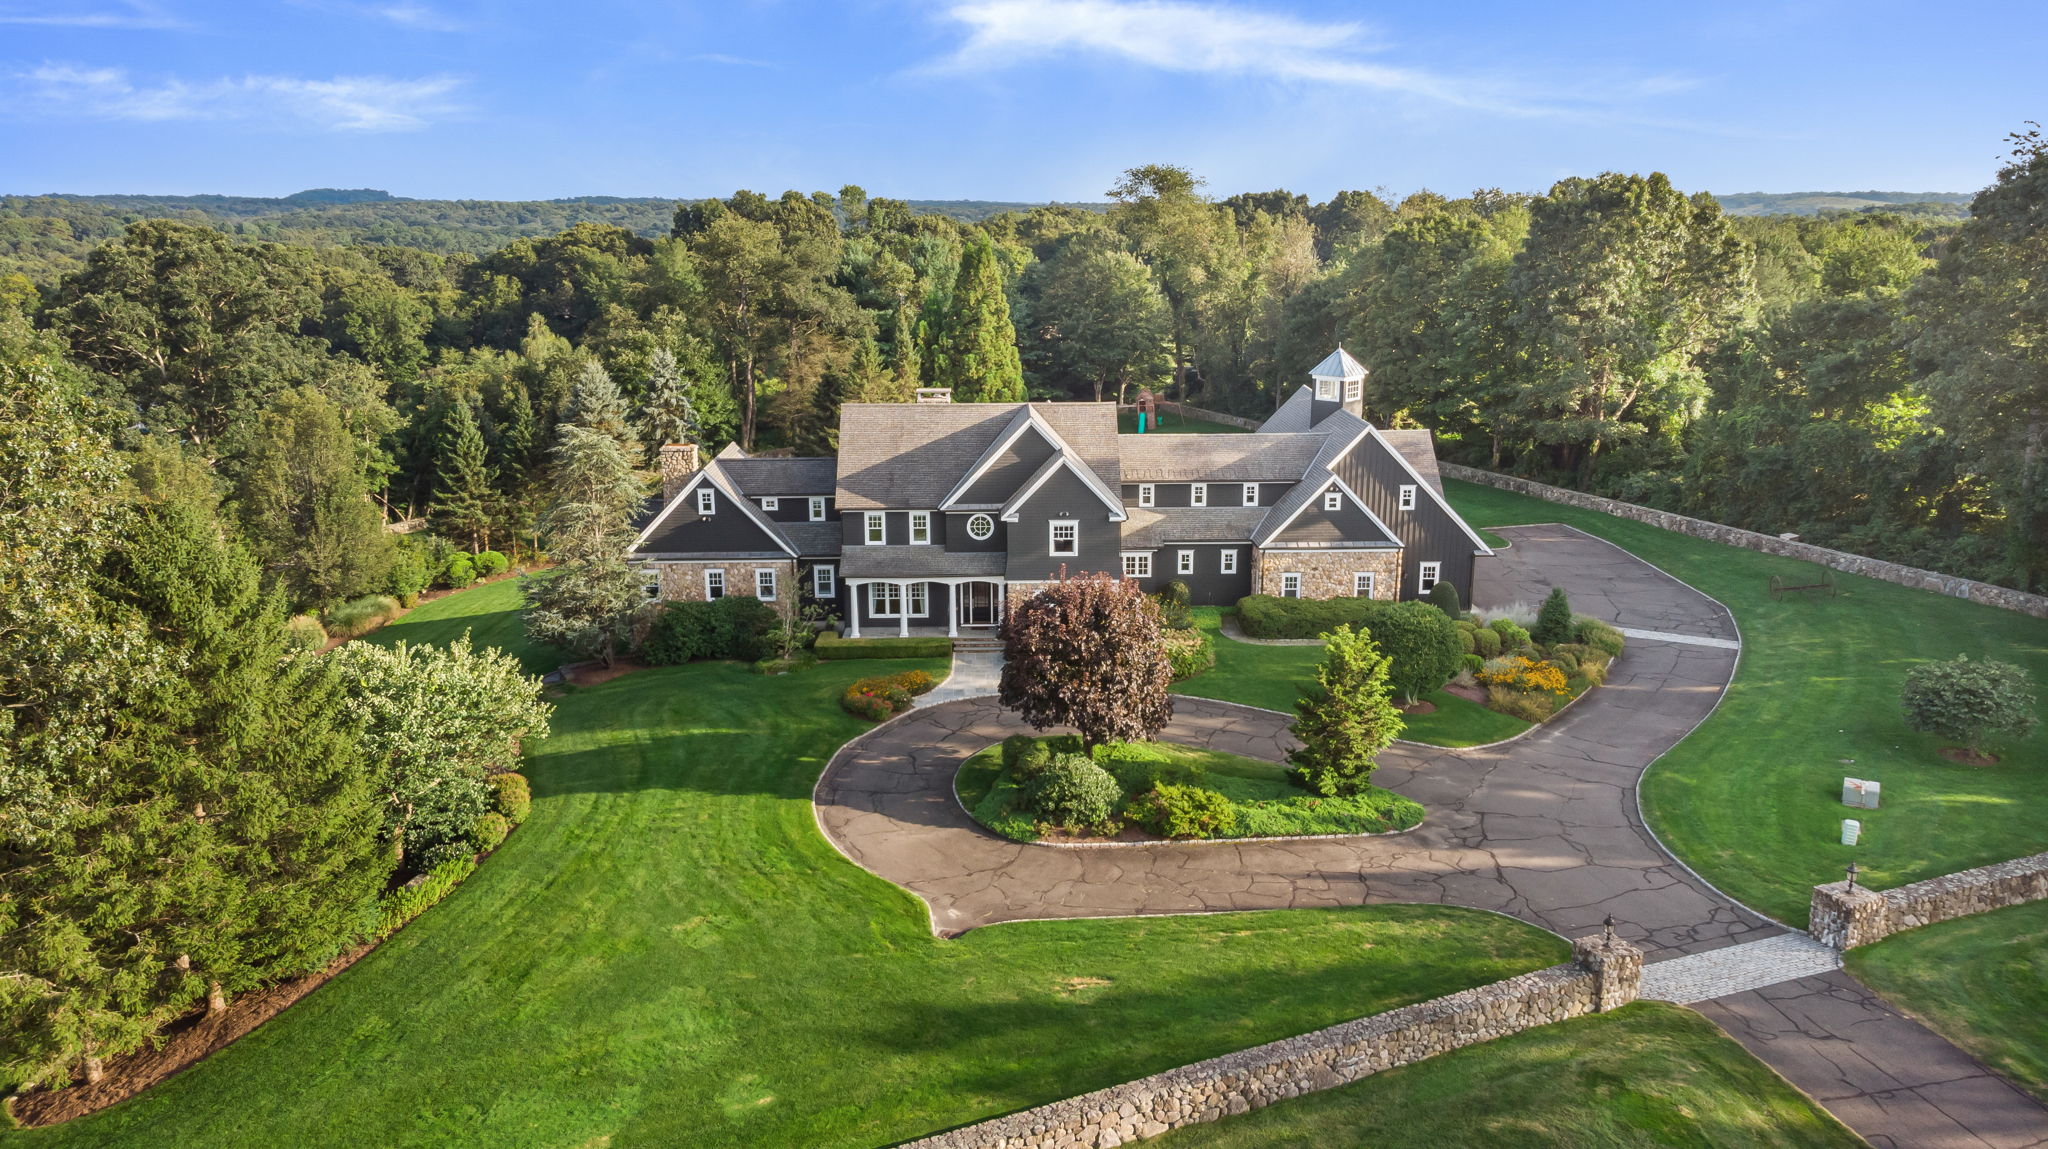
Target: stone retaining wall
(1170,407)
(1604,975)
(2005,598)
(1846,918)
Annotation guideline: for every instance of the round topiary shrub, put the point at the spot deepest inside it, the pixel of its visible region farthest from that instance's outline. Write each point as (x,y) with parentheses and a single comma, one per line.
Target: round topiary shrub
(1486,643)
(490,563)
(1468,641)
(1512,636)
(512,796)
(459,573)
(1184,812)
(489,830)
(1444,597)
(303,634)
(1073,791)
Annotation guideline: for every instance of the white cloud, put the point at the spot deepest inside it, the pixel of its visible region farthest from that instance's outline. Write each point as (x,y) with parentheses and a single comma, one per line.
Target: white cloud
(128,14)
(409,15)
(344,103)
(731,61)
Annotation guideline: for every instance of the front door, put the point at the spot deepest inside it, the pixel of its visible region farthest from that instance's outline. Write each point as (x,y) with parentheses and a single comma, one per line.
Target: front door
(981,604)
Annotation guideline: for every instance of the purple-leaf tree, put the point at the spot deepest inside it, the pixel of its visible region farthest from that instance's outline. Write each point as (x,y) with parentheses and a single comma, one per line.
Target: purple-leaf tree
(1086,652)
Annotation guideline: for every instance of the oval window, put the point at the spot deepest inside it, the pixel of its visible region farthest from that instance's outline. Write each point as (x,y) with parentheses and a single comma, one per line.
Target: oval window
(980,527)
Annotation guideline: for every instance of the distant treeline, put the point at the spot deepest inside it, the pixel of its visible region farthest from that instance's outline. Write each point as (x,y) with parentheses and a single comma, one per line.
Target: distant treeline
(1941,205)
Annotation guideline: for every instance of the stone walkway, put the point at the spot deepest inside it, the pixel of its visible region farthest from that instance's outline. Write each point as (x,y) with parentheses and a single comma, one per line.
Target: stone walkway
(976,674)
(1734,969)
(1545,828)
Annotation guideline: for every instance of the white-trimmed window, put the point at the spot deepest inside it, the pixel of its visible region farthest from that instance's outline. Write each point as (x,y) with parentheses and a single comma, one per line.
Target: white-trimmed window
(825,581)
(1408,496)
(1333,500)
(1326,388)
(1229,562)
(878,527)
(1251,494)
(1184,562)
(706,504)
(1361,584)
(770,503)
(764,583)
(714,584)
(917,605)
(1198,495)
(1354,390)
(885,599)
(1426,576)
(980,527)
(921,527)
(817,508)
(1137,564)
(1290,584)
(650,581)
(1065,538)
(1144,494)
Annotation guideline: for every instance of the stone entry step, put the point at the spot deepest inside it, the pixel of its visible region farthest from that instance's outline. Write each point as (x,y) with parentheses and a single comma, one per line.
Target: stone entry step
(1736,969)
(977,643)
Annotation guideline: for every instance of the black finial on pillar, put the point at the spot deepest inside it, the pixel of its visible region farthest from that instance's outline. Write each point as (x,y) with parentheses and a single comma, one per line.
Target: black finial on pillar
(1852,875)
(1608,927)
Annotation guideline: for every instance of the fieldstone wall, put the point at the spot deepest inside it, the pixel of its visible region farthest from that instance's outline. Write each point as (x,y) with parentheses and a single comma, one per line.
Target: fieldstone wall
(684,582)
(1846,918)
(1327,574)
(1254,1078)
(1169,407)
(2005,598)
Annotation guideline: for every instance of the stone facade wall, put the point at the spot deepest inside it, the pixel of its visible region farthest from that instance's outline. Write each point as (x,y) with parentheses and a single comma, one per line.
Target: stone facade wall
(684,582)
(2005,598)
(1605,976)
(1327,574)
(1846,918)
(1168,406)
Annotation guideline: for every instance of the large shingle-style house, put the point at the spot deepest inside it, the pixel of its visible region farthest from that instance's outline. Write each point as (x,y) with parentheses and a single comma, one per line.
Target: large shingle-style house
(942,515)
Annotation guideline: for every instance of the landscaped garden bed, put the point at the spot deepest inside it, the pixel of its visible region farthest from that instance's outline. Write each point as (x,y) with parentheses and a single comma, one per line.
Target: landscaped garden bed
(1150,791)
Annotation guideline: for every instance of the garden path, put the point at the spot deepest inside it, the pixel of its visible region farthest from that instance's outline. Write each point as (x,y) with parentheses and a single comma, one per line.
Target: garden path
(1544,828)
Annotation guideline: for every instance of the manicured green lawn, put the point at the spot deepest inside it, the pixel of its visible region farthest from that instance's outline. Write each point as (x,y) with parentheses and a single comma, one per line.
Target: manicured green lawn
(489,612)
(1982,981)
(1269,676)
(1752,799)
(1647,1074)
(1127,424)
(1268,805)
(669,953)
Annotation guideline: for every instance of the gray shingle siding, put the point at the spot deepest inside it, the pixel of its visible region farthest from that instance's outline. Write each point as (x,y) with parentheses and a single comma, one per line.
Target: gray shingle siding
(1064,496)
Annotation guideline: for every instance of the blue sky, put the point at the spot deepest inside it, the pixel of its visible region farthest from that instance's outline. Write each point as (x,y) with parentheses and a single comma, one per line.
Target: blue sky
(1003,99)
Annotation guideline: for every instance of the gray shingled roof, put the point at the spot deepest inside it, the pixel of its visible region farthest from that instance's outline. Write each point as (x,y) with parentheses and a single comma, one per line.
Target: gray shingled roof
(1293,416)
(1216,458)
(814,540)
(1419,448)
(911,455)
(1332,435)
(1157,526)
(799,476)
(920,562)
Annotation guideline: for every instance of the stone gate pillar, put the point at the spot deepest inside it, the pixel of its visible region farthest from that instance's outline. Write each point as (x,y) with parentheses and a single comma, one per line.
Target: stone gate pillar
(1616,964)
(1846,916)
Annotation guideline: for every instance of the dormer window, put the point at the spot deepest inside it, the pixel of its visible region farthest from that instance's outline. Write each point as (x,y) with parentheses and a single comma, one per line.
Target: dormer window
(1333,500)
(705,502)
(770,503)
(920,527)
(817,509)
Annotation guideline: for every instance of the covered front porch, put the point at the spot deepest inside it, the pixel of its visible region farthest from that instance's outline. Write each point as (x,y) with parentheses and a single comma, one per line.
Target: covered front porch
(928,606)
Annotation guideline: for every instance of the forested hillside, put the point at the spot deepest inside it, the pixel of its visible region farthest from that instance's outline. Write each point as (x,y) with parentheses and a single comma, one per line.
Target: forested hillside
(1945,205)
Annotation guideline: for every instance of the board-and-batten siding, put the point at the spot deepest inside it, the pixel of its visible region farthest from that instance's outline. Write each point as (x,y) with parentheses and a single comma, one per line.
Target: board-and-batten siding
(896,527)
(1208,585)
(1374,471)
(1011,470)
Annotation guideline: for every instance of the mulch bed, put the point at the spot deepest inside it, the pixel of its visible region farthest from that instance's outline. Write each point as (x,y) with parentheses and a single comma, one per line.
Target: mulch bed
(1468,693)
(1968,757)
(185,1042)
(594,673)
(1419,708)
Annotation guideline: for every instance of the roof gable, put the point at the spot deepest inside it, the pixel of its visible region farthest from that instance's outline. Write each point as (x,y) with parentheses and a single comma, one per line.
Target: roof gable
(1064,461)
(1010,461)
(913,455)
(681,529)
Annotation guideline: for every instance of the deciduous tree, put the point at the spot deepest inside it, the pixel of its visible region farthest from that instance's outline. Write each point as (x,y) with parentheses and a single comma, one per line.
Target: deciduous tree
(1086,652)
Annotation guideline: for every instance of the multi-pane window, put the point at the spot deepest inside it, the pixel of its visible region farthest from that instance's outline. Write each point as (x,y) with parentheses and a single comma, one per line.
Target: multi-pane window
(1184,563)
(714,584)
(770,503)
(1333,499)
(1290,585)
(825,580)
(705,503)
(1229,562)
(980,527)
(1251,494)
(1137,564)
(885,599)
(764,583)
(1354,390)
(1198,495)
(1066,537)
(917,606)
(1426,576)
(1326,388)
(878,529)
(817,509)
(1408,497)
(1144,494)
(1361,584)
(920,527)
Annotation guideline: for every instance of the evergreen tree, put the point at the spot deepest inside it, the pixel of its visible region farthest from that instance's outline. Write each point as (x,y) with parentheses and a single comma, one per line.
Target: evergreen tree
(585,605)
(667,415)
(1346,718)
(1554,620)
(305,505)
(976,353)
(516,432)
(462,503)
(597,404)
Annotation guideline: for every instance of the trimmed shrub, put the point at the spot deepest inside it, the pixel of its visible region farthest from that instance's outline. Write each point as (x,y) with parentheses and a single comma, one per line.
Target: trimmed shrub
(1073,791)
(1474,664)
(303,634)
(1486,642)
(1265,616)
(1969,701)
(1421,640)
(1512,636)
(489,831)
(735,626)
(491,563)
(1188,652)
(459,573)
(512,796)
(1444,597)
(410,571)
(1184,812)
(360,616)
(411,900)
(1554,620)
(1468,642)
(1014,747)
(1599,635)
(1031,761)
(831,647)
(1174,611)
(1565,660)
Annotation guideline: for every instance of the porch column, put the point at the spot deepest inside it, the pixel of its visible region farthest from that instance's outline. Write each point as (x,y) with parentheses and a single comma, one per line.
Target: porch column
(953,611)
(853,609)
(903,610)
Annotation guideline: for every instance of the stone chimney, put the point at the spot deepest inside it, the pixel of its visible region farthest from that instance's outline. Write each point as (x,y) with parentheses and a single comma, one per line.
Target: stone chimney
(935,394)
(678,463)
